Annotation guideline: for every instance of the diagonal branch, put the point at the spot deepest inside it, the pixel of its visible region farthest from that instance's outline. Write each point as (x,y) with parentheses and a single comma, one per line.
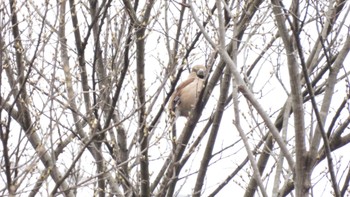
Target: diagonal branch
(244,89)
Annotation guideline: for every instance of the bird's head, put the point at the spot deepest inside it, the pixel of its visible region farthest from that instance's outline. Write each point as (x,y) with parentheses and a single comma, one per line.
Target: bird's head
(200,71)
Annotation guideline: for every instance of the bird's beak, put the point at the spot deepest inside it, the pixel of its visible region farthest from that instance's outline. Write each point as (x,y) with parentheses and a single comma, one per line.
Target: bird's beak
(201,73)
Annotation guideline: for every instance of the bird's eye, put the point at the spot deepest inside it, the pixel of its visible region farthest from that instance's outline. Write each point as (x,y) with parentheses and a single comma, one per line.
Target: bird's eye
(201,74)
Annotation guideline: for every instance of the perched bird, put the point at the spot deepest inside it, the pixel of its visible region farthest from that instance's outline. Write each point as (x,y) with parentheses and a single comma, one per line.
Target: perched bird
(186,94)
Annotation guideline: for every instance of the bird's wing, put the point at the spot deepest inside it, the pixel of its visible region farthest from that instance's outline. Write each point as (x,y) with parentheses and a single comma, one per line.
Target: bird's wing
(175,98)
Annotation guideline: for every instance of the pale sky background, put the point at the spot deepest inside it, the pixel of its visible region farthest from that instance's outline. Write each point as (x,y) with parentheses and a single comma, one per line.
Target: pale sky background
(272,98)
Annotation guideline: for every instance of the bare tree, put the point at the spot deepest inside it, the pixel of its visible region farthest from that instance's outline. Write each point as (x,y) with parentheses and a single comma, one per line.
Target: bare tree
(85,87)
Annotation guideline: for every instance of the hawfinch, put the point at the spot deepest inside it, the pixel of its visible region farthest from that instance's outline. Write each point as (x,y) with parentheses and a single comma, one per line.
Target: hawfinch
(186,94)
